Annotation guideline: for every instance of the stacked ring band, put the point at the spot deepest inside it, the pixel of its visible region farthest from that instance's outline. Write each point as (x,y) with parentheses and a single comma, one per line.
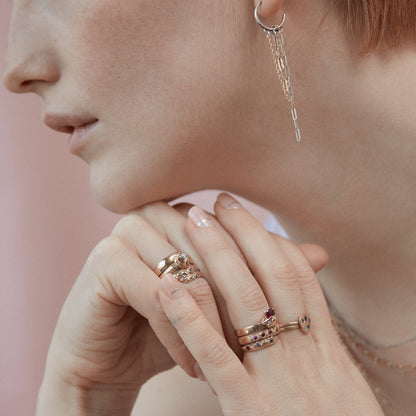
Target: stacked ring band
(265,333)
(269,319)
(180,265)
(261,335)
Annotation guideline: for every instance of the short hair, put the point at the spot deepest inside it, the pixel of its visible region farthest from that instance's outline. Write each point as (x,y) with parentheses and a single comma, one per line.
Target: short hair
(372,23)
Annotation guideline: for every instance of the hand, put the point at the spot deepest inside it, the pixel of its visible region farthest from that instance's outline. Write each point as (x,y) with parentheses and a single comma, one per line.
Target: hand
(299,374)
(112,334)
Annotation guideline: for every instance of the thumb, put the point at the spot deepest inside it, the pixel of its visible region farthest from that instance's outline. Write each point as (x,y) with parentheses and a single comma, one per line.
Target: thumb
(316,255)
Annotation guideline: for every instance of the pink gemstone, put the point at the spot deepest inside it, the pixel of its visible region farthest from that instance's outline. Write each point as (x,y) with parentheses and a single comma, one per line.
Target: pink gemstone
(255,337)
(263,334)
(269,313)
(248,348)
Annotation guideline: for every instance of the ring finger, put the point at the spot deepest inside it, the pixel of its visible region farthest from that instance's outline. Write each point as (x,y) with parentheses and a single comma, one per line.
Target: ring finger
(245,300)
(270,265)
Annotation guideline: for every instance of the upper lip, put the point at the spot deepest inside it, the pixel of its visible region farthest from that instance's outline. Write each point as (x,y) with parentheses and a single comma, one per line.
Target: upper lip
(66,123)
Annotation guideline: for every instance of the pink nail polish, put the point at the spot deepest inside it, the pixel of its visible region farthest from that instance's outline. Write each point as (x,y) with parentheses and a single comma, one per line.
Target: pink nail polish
(228,202)
(199,217)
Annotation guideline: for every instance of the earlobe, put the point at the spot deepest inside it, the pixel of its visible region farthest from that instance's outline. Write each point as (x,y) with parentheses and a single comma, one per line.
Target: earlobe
(269,8)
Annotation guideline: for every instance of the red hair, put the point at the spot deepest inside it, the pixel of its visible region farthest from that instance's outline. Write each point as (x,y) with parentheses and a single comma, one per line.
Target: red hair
(371,23)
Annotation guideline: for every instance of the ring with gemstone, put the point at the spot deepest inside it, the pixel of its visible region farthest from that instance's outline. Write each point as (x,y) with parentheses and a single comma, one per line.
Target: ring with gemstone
(260,335)
(259,345)
(180,265)
(269,320)
(303,323)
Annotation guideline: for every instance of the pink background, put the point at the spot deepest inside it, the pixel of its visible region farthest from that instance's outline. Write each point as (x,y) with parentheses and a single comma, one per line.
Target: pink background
(49,223)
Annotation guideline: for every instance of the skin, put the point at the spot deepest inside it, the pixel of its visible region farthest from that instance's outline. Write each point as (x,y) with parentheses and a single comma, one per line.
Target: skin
(348,186)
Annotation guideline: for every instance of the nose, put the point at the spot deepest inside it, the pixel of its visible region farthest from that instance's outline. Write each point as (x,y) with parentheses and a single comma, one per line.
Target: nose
(31,63)
(30,73)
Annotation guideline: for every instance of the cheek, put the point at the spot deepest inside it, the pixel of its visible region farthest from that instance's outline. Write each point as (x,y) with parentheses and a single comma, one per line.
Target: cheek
(111,37)
(147,74)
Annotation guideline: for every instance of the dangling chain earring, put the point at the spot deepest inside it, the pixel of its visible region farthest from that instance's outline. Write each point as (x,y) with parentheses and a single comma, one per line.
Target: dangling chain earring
(277,46)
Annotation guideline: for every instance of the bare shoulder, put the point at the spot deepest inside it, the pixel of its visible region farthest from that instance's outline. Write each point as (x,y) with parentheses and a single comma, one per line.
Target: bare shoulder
(173,393)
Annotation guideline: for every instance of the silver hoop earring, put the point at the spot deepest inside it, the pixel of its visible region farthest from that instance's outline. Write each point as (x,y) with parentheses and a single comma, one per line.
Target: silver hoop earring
(277,46)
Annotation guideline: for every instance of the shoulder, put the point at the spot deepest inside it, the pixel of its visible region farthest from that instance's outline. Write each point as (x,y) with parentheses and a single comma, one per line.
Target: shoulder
(175,393)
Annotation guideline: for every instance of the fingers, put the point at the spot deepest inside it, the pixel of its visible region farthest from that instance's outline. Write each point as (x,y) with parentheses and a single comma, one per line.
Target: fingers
(123,279)
(269,264)
(221,367)
(277,273)
(313,297)
(149,244)
(170,222)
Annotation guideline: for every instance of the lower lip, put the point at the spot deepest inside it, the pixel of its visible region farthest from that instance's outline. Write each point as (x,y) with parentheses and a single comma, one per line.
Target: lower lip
(78,136)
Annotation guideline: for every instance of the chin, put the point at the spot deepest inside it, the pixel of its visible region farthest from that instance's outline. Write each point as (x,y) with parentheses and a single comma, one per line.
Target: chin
(122,195)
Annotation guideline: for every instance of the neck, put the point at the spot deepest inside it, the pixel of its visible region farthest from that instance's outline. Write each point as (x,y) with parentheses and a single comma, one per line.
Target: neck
(350,184)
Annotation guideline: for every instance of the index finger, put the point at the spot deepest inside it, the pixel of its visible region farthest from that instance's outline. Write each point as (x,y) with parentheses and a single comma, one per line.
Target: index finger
(221,367)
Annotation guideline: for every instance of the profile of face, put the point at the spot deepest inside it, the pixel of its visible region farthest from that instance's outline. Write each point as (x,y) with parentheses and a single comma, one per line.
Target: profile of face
(170,83)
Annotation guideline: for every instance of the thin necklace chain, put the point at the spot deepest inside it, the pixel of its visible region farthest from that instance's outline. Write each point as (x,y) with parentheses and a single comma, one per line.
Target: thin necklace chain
(277,46)
(341,329)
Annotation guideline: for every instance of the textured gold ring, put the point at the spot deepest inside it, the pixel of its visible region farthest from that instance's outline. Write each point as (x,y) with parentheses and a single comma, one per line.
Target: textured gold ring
(274,330)
(180,265)
(259,345)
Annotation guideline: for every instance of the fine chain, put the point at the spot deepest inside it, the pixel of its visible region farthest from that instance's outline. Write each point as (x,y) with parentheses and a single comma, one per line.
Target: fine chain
(277,46)
(403,369)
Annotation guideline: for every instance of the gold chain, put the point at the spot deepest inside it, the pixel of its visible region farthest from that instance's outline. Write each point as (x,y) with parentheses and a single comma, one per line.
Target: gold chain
(277,47)
(403,369)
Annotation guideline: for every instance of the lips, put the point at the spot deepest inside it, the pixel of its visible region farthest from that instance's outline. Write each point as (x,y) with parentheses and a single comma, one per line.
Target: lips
(67,123)
(76,140)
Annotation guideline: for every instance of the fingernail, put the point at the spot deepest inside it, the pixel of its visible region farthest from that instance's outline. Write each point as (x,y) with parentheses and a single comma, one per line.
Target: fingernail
(199,217)
(171,286)
(199,372)
(228,202)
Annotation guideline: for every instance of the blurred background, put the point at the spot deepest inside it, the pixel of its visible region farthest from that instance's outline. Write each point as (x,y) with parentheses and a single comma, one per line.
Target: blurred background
(49,223)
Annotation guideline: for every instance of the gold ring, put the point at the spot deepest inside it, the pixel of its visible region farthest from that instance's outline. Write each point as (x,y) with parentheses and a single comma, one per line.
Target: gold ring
(258,336)
(259,345)
(303,323)
(180,265)
(269,320)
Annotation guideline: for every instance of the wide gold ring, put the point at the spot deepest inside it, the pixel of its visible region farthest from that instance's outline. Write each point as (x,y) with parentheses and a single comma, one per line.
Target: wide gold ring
(180,265)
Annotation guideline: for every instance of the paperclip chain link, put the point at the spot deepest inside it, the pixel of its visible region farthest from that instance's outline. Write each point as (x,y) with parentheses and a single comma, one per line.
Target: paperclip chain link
(277,46)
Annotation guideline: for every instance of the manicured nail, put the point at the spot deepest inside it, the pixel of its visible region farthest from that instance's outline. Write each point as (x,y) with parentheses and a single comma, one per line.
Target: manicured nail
(228,202)
(199,217)
(171,286)
(199,372)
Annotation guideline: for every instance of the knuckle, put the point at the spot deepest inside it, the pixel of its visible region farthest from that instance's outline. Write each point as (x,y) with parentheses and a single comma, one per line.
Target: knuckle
(283,273)
(201,292)
(131,223)
(190,319)
(215,353)
(219,247)
(107,250)
(307,277)
(253,298)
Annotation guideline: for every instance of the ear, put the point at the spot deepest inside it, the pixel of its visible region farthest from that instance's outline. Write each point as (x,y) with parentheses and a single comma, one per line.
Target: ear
(269,8)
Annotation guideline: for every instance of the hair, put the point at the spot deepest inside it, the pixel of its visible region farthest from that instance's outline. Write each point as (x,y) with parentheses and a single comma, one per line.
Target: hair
(372,23)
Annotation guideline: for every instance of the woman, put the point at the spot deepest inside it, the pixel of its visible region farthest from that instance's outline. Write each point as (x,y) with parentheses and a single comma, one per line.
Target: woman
(165,98)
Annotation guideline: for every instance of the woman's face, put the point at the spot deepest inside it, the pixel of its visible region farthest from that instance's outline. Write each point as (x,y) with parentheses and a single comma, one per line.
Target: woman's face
(167,80)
